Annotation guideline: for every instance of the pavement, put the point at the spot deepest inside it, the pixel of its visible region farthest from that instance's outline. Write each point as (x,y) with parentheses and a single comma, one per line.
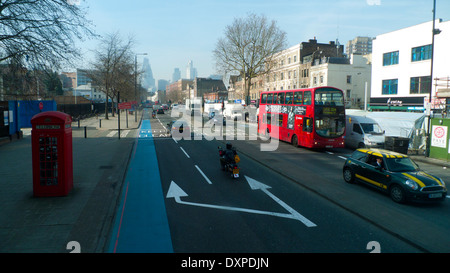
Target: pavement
(84,217)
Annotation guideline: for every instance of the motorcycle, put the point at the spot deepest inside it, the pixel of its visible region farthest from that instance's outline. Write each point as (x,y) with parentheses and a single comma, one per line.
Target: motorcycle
(153,115)
(229,160)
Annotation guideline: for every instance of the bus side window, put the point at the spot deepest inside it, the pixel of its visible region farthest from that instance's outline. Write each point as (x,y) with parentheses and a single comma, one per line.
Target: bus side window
(275,99)
(280,98)
(307,98)
(263,98)
(289,97)
(267,118)
(269,98)
(280,120)
(298,98)
(307,125)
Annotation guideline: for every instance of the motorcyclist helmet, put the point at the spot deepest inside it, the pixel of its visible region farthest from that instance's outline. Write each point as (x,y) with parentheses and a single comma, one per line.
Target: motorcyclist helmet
(229,146)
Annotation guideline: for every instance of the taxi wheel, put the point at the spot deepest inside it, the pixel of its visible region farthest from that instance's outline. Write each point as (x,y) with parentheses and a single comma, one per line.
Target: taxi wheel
(397,194)
(349,176)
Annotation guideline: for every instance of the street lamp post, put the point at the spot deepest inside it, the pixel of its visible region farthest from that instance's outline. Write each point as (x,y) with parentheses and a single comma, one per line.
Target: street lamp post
(434,32)
(135,82)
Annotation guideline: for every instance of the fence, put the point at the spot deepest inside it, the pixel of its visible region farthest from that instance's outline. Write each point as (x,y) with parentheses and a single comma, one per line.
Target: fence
(83,110)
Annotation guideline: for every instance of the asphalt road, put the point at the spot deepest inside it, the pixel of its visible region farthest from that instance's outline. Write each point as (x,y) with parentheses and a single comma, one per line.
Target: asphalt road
(300,203)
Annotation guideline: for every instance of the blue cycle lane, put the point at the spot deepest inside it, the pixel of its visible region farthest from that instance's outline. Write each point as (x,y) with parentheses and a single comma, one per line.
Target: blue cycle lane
(141,224)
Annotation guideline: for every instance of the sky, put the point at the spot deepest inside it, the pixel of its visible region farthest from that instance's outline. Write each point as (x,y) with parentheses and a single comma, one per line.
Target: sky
(173,32)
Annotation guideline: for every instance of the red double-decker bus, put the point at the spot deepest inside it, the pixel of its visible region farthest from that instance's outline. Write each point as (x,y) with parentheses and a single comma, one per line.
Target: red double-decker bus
(313,118)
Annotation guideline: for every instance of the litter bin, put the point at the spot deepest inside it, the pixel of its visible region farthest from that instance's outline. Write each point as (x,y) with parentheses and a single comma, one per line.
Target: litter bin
(51,144)
(397,144)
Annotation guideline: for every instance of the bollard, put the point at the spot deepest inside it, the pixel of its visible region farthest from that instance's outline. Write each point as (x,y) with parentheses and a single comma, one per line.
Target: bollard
(100,123)
(85,131)
(78,123)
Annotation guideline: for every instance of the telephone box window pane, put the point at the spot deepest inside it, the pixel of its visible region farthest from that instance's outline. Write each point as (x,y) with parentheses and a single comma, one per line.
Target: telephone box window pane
(48,156)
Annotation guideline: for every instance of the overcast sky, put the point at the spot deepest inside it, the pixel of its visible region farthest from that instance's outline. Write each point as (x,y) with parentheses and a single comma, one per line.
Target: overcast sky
(173,32)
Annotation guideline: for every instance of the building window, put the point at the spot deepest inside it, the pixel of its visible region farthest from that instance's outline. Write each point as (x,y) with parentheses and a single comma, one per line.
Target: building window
(420,85)
(421,53)
(390,87)
(321,79)
(390,58)
(349,79)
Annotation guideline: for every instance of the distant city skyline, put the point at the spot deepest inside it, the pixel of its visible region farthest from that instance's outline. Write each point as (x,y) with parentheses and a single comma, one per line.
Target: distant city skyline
(172,34)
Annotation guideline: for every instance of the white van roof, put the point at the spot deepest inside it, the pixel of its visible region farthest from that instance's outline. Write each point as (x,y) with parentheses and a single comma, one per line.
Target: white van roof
(361,119)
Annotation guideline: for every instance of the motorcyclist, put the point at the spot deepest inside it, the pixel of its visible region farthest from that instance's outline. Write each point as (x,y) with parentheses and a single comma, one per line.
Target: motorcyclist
(228,155)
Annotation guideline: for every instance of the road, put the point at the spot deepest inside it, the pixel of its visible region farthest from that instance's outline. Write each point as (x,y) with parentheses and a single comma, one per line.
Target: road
(287,200)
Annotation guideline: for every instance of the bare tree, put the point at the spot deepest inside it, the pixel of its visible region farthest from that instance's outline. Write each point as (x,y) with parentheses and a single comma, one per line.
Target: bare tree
(41,32)
(113,66)
(248,48)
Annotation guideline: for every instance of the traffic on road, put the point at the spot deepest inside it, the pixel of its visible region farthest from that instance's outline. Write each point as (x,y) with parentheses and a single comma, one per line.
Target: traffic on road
(290,199)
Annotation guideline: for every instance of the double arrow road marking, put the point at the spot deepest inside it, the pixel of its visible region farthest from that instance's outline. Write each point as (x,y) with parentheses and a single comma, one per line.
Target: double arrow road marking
(176,192)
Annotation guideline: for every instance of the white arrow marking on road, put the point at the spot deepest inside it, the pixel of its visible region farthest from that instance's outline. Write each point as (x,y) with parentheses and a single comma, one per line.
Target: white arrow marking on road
(256,185)
(176,192)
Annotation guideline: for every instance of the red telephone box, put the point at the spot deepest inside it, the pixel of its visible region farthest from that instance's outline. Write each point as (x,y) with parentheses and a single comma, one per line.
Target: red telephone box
(51,143)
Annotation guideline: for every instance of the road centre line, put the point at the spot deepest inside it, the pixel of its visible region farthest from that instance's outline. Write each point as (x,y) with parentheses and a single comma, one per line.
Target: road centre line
(204,176)
(185,152)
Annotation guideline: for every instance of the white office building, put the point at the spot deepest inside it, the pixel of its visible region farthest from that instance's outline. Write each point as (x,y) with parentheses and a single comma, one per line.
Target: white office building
(90,92)
(401,67)
(350,75)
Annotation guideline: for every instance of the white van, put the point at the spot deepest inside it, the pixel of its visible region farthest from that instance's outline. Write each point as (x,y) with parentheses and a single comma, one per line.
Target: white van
(234,111)
(362,131)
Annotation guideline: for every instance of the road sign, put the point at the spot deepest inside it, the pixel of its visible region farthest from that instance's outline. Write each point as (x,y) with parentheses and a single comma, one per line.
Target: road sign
(41,105)
(125,105)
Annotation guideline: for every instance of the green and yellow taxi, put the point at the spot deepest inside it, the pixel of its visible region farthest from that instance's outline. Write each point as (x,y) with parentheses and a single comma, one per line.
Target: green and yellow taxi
(393,173)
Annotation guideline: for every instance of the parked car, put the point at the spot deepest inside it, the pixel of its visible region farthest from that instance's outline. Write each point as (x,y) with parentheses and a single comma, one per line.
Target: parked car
(160,111)
(398,175)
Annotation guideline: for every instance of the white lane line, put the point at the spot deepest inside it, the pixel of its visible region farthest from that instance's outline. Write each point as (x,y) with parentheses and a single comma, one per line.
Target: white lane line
(111,134)
(342,157)
(204,176)
(185,152)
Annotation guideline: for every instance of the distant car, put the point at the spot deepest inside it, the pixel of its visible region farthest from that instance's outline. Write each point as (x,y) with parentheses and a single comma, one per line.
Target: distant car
(178,129)
(160,111)
(165,107)
(398,175)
